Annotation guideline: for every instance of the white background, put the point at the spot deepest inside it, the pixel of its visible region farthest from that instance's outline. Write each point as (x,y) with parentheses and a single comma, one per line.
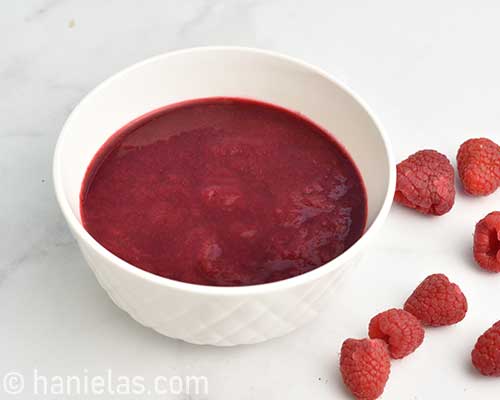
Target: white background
(430,70)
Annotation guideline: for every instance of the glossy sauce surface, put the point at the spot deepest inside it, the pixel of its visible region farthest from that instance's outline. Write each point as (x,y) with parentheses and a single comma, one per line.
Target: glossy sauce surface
(223,192)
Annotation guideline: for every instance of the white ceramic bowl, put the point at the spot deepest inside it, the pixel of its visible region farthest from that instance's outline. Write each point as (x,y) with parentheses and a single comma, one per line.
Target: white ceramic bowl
(220,316)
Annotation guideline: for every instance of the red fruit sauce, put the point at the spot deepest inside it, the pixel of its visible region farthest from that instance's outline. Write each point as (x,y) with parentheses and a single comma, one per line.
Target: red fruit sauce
(223,192)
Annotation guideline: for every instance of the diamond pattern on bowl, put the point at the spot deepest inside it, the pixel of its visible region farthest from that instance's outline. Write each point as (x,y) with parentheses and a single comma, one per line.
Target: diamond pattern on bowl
(221,320)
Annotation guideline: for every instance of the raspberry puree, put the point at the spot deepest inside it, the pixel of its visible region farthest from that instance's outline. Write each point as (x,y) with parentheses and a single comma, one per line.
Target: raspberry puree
(223,192)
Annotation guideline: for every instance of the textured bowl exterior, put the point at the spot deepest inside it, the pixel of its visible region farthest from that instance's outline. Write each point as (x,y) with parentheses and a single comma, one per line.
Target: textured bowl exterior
(218,320)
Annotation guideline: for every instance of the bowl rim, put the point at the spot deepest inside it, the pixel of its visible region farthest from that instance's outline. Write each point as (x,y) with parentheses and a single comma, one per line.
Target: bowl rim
(78,229)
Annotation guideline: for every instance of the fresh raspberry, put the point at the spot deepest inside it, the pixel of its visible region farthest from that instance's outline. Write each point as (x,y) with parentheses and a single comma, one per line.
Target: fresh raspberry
(365,366)
(437,302)
(478,162)
(425,182)
(487,242)
(486,353)
(400,329)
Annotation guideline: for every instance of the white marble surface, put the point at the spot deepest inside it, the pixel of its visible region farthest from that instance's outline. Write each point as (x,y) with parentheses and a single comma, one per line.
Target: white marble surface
(430,71)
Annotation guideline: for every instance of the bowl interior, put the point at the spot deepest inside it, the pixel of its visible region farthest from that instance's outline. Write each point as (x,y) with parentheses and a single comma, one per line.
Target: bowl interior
(221,72)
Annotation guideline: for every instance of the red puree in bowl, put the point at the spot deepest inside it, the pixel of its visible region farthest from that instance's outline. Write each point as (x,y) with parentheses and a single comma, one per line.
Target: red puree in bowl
(224,192)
